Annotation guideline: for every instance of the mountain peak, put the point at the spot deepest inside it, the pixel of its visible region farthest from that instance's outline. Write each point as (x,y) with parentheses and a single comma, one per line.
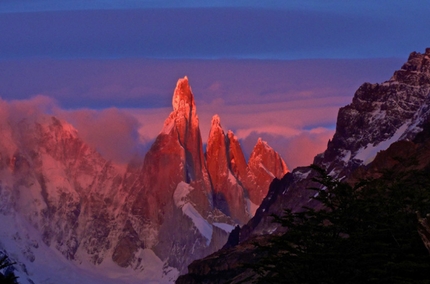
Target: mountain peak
(216,121)
(216,131)
(416,71)
(261,144)
(264,165)
(182,95)
(379,115)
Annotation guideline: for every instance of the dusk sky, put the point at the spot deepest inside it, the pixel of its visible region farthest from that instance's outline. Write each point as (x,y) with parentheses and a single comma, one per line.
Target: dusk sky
(275,69)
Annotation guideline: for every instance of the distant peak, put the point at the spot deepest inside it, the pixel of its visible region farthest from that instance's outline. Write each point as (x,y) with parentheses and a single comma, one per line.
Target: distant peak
(216,121)
(416,71)
(231,135)
(182,81)
(182,94)
(262,147)
(216,128)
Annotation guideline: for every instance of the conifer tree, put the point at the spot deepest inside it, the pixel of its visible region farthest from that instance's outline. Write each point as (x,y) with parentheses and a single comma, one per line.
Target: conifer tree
(7,277)
(366,232)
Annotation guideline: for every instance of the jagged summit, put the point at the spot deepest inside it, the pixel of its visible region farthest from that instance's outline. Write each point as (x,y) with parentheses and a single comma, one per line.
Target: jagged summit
(260,154)
(182,96)
(163,214)
(229,195)
(262,143)
(264,165)
(216,132)
(237,158)
(184,117)
(416,71)
(216,121)
(379,115)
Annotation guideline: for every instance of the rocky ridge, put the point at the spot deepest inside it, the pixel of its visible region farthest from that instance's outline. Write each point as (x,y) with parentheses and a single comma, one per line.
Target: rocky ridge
(58,194)
(379,115)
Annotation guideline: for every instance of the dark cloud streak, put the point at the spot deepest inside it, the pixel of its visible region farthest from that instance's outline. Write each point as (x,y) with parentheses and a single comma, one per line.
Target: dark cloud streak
(208,33)
(144,83)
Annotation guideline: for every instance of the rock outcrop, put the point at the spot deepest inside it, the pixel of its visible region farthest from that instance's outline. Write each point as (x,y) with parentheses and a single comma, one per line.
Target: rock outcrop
(157,216)
(264,165)
(228,193)
(379,115)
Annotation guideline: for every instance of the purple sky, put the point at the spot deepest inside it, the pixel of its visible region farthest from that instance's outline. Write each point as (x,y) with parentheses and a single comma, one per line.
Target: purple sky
(279,70)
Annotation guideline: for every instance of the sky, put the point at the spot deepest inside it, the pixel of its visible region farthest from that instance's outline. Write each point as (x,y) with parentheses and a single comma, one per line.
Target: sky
(279,70)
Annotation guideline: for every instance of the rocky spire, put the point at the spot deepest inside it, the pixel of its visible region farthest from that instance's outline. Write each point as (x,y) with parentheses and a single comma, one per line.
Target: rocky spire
(183,98)
(175,161)
(228,192)
(216,155)
(264,165)
(236,157)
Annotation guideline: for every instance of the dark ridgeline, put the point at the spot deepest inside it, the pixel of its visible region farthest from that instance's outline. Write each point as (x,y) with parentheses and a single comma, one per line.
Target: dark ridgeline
(379,115)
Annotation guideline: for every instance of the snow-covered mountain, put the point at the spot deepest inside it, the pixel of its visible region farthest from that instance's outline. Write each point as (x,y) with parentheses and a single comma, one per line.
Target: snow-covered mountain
(235,182)
(68,215)
(379,115)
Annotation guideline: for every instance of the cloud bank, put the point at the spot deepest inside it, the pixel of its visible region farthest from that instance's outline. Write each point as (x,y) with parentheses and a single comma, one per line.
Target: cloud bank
(112,132)
(300,31)
(119,106)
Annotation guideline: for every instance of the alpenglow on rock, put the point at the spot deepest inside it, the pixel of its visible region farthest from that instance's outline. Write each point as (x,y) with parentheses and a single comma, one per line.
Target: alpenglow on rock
(395,112)
(136,223)
(174,200)
(229,194)
(264,165)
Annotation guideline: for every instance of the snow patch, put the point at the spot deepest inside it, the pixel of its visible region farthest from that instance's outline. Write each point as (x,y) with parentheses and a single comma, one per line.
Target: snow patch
(251,207)
(151,270)
(167,126)
(225,227)
(231,178)
(302,176)
(346,156)
(368,153)
(201,224)
(180,197)
(266,170)
(181,192)
(45,265)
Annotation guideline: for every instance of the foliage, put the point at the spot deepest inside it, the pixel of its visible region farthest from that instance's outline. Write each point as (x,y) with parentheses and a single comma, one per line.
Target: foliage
(365,232)
(7,277)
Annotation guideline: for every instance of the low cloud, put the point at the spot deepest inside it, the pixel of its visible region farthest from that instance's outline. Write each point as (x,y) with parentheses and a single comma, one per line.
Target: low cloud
(16,110)
(297,150)
(146,83)
(119,106)
(113,132)
(293,128)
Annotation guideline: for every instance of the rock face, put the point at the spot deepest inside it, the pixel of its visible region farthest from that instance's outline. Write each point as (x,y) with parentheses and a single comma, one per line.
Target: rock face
(50,176)
(264,165)
(157,216)
(229,195)
(176,156)
(379,115)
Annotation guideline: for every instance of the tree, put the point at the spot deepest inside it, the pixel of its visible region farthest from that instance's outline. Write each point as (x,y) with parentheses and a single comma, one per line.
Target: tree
(366,232)
(7,277)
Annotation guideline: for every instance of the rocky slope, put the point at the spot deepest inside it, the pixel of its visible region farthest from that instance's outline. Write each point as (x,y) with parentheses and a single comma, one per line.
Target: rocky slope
(59,197)
(229,194)
(264,165)
(379,115)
